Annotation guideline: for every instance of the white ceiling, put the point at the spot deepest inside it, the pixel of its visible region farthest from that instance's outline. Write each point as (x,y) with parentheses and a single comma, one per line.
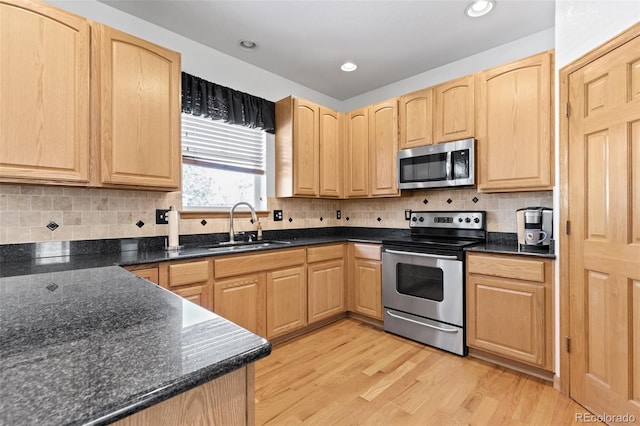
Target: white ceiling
(306,41)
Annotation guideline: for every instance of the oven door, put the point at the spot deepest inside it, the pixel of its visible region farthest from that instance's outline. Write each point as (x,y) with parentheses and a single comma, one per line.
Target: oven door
(424,284)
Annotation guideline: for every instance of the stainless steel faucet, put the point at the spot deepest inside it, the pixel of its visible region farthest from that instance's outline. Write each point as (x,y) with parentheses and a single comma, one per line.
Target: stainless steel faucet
(254,217)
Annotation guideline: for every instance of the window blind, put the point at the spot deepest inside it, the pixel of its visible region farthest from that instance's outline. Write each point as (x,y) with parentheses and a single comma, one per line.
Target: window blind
(220,145)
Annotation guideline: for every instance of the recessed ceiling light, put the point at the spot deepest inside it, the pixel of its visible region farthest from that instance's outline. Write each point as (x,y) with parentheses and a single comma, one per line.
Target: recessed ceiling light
(479,8)
(248,44)
(348,67)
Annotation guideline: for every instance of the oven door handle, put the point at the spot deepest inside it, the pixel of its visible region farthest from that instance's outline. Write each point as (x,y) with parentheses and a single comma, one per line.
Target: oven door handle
(446,330)
(431,256)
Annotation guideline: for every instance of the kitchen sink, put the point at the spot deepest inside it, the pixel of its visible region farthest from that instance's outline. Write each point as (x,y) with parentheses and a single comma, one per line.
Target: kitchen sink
(225,247)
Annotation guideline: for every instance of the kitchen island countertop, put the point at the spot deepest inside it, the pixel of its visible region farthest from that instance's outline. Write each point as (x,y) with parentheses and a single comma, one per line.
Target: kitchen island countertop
(90,346)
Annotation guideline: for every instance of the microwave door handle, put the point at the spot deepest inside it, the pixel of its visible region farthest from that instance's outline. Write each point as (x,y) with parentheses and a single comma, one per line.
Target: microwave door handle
(448,168)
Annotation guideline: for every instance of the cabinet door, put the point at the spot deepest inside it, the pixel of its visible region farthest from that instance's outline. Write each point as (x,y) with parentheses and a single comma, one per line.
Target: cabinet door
(286,301)
(383,148)
(44,94)
(326,290)
(305,147)
(454,110)
(367,287)
(242,300)
(139,111)
(416,119)
(149,274)
(357,154)
(331,170)
(507,318)
(198,294)
(192,279)
(515,126)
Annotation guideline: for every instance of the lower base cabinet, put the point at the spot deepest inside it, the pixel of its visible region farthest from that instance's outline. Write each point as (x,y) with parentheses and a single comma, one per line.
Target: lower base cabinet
(365,280)
(286,301)
(265,293)
(326,274)
(242,300)
(226,400)
(191,279)
(509,307)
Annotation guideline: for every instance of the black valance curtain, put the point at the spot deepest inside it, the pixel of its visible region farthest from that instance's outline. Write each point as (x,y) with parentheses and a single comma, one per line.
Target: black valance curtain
(201,97)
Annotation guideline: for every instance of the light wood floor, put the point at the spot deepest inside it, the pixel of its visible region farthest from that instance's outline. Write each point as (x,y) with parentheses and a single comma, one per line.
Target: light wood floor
(350,373)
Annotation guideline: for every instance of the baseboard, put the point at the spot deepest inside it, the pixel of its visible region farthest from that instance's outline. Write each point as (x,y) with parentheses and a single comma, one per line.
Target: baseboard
(307,329)
(371,321)
(513,365)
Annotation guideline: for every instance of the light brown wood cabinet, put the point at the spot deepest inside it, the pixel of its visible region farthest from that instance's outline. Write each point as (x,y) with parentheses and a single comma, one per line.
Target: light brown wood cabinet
(138,125)
(515,125)
(365,279)
(75,118)
(191,279)
(44,94)
(242,300)
(308,150)
(510,307)
(148,272)
(264,293)
(454,113)
(326,273)
(371,151)
(286,300)
(415,117)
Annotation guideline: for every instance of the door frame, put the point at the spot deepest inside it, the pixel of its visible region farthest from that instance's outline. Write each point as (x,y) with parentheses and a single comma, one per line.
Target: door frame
(632,32)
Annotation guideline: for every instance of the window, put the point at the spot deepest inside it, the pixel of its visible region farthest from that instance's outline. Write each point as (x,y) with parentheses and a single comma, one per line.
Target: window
(222,164)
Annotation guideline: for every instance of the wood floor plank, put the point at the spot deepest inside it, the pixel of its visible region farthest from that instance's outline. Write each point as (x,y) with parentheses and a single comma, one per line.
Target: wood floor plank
(349,373)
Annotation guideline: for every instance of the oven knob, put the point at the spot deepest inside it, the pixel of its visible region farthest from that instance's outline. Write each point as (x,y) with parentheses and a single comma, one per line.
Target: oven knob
(476,220)
(468,220)
(421,219)
(414,219)
(459,219)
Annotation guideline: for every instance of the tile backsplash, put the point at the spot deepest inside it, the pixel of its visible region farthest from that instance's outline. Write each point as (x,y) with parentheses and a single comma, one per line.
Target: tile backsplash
(93,213)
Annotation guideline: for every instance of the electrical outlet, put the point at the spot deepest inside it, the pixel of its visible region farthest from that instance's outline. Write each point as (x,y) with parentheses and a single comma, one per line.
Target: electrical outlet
(338,214)
(407,214)
(161,217)
(277,215)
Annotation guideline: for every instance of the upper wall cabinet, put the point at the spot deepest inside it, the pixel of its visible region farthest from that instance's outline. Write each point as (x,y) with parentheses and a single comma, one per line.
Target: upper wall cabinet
(371,151)
(83,104)
(308,150)
(383,147)
(44,94)
(515,126)
(454,110)
(331,158)
(137,104)
(415,115)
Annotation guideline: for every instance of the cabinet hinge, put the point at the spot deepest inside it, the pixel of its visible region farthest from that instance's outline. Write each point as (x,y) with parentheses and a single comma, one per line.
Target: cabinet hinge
(567,110)
(568,344)
(567,227)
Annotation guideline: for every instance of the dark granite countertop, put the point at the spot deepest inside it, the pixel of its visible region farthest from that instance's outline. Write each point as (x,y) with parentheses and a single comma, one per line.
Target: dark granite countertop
(24,264)
(90,346)
(507,243)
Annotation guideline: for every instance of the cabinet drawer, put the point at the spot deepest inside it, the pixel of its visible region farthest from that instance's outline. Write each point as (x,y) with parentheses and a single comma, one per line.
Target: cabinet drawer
(240,265)
(321,253)
(188,273)
(507,267)
(367,251)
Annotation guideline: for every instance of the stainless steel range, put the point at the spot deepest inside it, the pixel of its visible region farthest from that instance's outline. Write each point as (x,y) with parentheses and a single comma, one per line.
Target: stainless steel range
(423,277)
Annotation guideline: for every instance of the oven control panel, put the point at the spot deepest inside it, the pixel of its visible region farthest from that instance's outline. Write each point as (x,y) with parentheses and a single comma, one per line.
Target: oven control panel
(448,219)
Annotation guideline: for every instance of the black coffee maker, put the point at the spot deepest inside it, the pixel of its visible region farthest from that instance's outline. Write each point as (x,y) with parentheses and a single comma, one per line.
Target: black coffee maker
(535,226)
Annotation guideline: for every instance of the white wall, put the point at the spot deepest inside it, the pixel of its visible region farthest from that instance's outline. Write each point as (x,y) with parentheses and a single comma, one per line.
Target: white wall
(526,46)
(582,25)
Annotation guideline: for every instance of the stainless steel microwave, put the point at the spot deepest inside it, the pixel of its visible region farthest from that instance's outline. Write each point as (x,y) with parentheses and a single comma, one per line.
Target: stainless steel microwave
(443,165)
